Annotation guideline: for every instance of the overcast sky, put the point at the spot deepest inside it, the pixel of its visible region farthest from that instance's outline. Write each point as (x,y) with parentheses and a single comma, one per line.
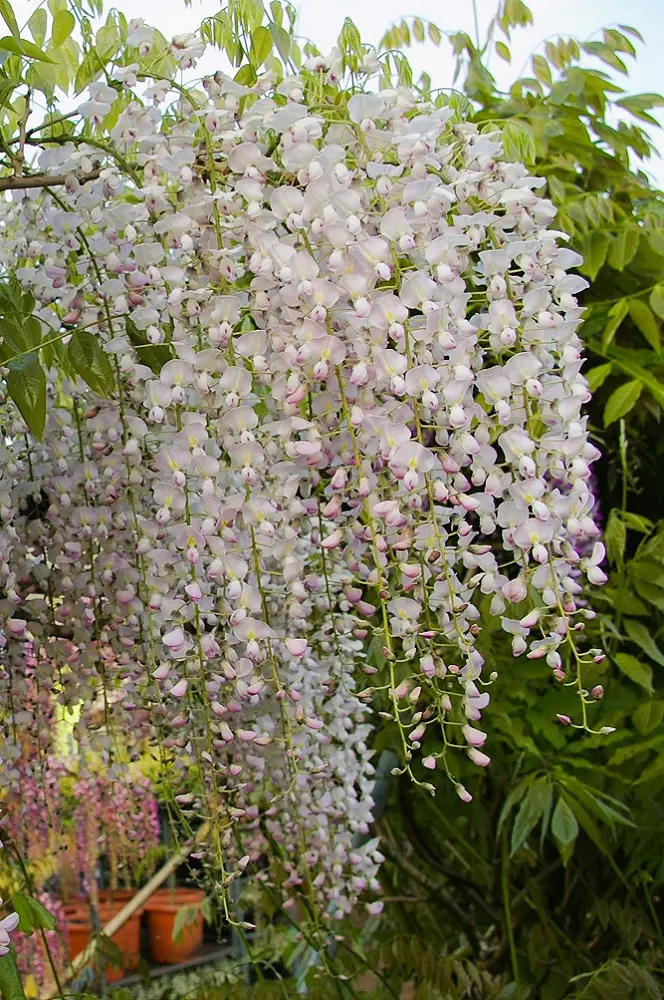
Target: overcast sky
(321,20)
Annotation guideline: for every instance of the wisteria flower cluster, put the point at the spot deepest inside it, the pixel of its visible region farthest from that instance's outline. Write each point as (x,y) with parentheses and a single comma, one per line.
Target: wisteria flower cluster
(118,819)
(7,924)
(31,816)
(334,403)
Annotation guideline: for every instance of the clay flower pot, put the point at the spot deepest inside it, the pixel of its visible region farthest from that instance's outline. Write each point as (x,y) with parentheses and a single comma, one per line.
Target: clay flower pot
(126,939)
(117,898)
(162,909)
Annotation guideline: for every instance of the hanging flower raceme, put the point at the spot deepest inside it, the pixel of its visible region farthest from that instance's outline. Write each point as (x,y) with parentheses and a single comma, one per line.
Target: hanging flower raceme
(114,815)
(347,405)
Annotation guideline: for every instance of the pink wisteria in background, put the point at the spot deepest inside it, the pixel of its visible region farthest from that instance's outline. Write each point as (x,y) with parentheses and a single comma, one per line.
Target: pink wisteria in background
(117,818)
(346,408)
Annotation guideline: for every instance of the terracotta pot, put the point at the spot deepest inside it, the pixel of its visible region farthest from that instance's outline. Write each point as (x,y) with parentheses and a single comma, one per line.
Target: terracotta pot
(127,938)
(162,909)
(117,898)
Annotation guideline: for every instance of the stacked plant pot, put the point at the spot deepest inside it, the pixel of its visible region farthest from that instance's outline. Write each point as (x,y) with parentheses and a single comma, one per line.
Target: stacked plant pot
(127,938)
(162,910)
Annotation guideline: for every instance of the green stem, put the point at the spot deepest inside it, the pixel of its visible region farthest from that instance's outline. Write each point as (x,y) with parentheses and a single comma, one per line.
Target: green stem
(476,21)
(505,888)
(31,889)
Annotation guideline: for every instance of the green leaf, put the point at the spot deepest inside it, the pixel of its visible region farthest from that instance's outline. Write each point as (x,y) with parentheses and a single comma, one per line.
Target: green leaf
(38,25)
(63,25)
(91,67)
(624,360)
(261,46)
(185,915)
(9,17)
(350,41)
(518,142)
(598,803)
(617,313)
(404,32)
(638,672)
(632,31)
(282,40)
(23,47)
(106,41)
(503,51)
(587,823)
(246,76)
(26,384)
(623,247)
(277,11)
(508,992)
(637,103)
(564,828)
(621,401)
(642,637)
(435,34)
(636,521)
(594,252)
(529,814)
(598,376)
(654,770)
(41,916)
(657,301)
(31,913)
(13,335)
(43,77)
(32,332)
(615,537)
(22,906)
(604,53)
(645,321)
(109,951)
(656,241)
(546,812)
(542,70)
(591,210)
(647,590)
(616,41)
(89,360)
(553,54)
(648,716)
(626,602)
(10,979)
(514,797)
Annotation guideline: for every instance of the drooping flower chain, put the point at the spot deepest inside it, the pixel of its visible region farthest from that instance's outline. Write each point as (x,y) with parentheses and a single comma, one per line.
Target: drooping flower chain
(348,405)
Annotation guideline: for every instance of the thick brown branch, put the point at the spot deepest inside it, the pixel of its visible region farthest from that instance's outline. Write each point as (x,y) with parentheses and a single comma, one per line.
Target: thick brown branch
(44,180)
